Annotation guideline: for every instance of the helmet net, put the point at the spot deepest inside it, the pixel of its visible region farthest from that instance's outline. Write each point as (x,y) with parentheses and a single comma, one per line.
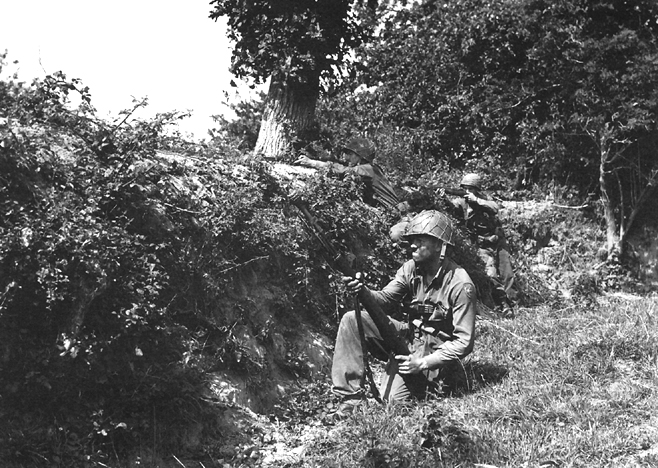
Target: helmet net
(431,223)
(472,180)
(362,147)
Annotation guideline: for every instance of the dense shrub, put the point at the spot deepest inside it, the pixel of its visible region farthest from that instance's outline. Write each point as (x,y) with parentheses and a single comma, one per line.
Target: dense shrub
(119,261)
(88,342)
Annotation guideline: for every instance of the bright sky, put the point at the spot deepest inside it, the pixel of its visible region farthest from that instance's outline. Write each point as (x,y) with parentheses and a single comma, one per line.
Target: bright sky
(166,50)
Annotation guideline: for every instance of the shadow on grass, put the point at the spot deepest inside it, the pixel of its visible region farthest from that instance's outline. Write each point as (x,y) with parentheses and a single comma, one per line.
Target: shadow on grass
(472,376)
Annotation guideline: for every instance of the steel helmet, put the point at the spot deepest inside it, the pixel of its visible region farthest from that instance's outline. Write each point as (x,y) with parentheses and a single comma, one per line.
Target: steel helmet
(472,180)
(363,147)
(431,223)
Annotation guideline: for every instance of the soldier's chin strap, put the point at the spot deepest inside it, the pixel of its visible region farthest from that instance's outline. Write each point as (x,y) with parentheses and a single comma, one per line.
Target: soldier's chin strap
(444,247)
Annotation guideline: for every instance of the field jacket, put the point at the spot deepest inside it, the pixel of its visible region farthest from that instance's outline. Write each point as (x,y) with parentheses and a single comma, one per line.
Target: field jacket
(480,220)
(450,297)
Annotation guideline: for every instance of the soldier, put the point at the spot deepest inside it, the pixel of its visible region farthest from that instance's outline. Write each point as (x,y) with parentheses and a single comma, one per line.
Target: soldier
(444,297)
(480,217)
(358,156)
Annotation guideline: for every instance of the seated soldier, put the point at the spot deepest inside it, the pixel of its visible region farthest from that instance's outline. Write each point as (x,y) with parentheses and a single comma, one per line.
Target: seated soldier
(444,296)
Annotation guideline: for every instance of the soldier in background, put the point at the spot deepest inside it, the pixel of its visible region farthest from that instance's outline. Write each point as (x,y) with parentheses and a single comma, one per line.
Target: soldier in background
(357,157)
(480,219)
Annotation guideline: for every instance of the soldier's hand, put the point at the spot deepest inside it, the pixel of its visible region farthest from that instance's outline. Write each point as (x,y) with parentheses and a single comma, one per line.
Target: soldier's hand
(303,160)
(403,207)
(411,364)
(354,284)
(470,196)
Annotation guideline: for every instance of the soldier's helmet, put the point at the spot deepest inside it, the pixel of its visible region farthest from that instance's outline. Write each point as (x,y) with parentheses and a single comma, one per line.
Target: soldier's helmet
(431,223)
(471,180)
(363,147)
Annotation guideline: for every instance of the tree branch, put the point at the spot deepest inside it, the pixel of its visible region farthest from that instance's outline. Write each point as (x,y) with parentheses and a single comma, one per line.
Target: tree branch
(239,265)
(489,322)
(136,106)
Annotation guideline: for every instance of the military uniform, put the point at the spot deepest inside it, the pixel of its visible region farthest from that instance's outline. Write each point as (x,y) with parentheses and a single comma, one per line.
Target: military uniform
(480,217)
(378,189)
(445,330)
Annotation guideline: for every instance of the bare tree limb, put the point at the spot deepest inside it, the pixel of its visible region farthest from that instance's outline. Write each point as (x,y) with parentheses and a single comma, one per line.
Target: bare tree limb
(239,265)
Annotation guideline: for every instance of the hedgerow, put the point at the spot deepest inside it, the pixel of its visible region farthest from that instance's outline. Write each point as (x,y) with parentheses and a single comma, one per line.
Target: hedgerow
(121,268)
(131,267)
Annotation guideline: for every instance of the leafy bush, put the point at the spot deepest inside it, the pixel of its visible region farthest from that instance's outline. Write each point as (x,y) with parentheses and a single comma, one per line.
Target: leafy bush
(89,346)
(119,261)
(240,132)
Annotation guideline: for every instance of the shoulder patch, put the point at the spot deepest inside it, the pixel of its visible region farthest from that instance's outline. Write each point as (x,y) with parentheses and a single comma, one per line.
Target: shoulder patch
(470,291)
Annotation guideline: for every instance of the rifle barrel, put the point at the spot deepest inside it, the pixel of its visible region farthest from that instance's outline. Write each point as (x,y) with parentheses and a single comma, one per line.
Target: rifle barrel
(339,262)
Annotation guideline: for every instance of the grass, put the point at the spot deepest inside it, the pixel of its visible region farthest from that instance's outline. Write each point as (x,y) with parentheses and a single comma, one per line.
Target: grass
(569,387)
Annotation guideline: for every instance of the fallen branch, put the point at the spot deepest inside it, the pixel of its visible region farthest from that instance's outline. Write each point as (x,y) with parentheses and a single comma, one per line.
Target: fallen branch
(506,330)
(580,207)
(174,207)
(621,295)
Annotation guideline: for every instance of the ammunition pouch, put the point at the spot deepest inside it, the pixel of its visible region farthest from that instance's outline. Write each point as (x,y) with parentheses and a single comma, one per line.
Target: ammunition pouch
(428,319)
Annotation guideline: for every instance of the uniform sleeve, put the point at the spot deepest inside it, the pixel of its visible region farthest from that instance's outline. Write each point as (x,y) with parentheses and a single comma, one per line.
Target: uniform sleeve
(338,168)
(488,205)
(395,290)
(464,308)
(363,170)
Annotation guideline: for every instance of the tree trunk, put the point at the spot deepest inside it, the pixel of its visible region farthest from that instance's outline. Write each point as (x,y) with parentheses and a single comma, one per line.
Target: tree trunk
(618,228)
(612,236)
(289,112)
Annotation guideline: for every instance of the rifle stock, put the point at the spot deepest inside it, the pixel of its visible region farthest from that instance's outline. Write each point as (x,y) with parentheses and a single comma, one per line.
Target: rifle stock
(341,263)
(454,191)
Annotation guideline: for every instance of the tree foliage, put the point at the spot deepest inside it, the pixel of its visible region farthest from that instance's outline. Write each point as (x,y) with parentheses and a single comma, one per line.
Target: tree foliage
(614,105)
(241,131)
(290,40)
(426,76)
(296,45)
(550,93)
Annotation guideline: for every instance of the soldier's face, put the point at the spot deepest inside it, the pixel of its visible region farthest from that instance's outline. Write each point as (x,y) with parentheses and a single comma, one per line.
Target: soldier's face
(351,158)
(424,249)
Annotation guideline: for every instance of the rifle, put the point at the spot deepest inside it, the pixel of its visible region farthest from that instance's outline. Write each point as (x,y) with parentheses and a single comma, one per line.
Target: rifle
(341,263)
(454,191)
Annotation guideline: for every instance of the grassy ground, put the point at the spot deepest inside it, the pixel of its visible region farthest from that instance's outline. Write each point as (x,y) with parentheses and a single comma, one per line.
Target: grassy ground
(570,386)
